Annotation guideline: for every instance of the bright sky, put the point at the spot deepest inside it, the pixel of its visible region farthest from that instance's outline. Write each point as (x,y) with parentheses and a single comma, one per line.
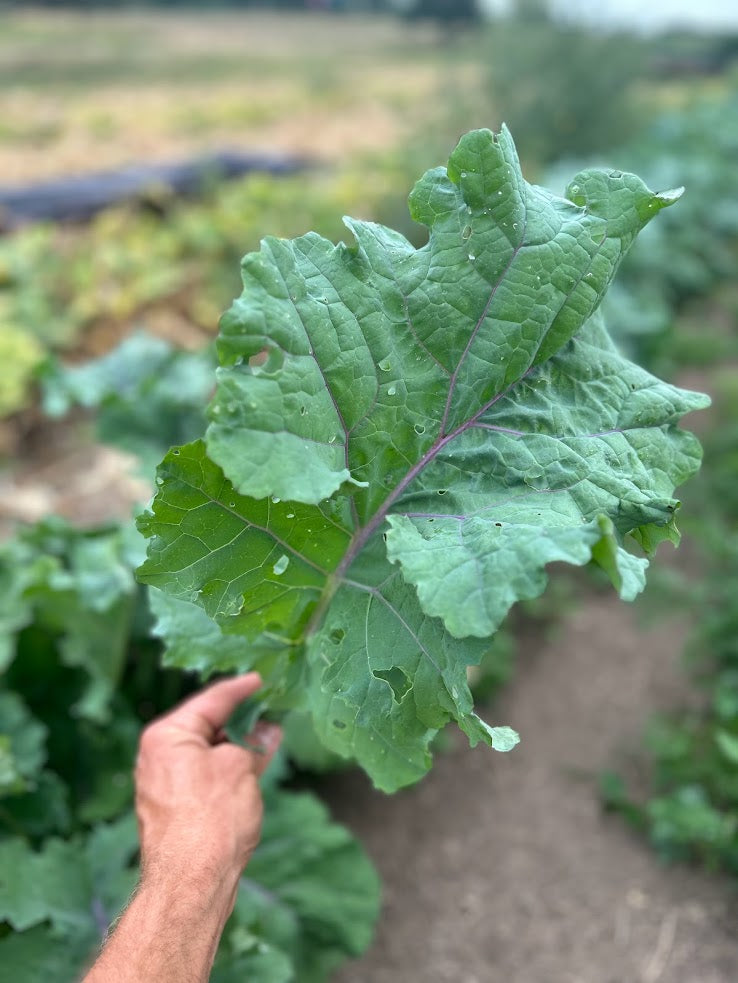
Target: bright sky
(650,15)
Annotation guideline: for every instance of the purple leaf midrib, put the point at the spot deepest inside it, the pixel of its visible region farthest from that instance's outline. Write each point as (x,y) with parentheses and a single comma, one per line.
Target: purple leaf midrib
(362,535)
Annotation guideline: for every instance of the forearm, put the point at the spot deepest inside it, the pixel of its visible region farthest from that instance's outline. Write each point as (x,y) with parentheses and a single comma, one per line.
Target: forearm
(170,931)
(199,808)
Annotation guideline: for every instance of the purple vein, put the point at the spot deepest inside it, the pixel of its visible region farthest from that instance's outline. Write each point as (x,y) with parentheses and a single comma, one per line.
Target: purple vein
(477,327)
(375,592)
(489,426)
(363,534)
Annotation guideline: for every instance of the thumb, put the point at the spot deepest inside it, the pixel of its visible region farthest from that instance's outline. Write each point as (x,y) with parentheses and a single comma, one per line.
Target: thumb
(205,713)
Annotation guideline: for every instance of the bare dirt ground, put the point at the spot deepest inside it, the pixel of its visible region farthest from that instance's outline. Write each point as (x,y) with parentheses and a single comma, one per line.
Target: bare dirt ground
(503,868)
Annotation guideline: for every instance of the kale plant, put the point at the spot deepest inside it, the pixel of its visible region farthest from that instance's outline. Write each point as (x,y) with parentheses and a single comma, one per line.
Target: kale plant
(402,439)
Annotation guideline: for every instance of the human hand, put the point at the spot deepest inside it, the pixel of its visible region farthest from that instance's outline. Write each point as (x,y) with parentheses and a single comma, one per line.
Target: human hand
(199,814)
(198,800)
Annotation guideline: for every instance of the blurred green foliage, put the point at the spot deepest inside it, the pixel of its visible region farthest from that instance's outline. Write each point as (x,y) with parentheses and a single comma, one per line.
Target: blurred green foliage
(80,678)
(21,355)
(60,287)
(146,394)
(80,673)
(692,810)
(563,90)
(689,262)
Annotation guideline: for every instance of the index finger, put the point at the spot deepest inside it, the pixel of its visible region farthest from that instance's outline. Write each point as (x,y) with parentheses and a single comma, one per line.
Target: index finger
(205,713)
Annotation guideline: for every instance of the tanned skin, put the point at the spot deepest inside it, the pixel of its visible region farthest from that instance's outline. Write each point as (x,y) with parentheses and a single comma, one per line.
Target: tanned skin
(199,811)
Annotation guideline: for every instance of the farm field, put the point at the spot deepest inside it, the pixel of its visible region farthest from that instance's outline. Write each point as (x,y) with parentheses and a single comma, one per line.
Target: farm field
(494,867)
(98,90)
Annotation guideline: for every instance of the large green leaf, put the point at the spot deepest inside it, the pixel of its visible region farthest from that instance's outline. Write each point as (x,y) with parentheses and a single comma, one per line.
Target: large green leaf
(73,885)
(41,811)
(309,899)
(83,591)
(61,900)
(147,395)
(40,954)
(21,568)
(423,432)
(194,641)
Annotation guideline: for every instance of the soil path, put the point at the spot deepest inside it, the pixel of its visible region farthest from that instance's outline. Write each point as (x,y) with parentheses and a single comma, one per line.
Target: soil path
(503,869)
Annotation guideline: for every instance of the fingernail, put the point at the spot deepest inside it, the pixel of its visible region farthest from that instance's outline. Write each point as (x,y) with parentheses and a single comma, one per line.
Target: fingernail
(267,734)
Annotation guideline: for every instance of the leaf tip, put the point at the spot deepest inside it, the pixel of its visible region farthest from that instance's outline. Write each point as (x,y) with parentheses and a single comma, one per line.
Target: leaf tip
(666,198)
(504,738)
